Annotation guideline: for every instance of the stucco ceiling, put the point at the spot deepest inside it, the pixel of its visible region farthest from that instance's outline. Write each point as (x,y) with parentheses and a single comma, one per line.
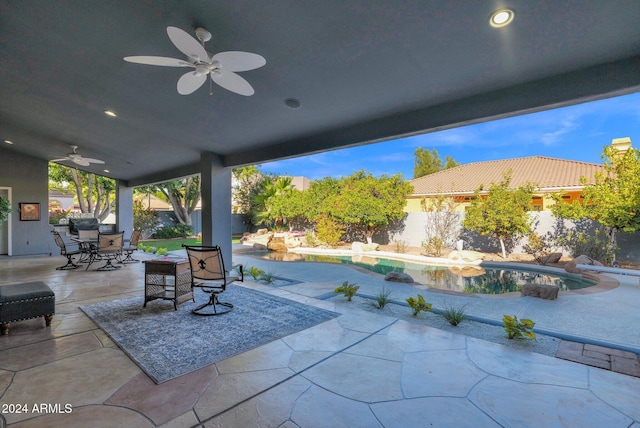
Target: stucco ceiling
(363,71)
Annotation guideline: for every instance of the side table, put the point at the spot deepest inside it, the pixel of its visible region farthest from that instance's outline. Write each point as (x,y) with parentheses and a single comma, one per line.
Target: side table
(167,278)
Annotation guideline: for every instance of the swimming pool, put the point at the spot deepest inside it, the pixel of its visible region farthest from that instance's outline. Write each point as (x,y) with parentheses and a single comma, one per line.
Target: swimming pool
(465,279)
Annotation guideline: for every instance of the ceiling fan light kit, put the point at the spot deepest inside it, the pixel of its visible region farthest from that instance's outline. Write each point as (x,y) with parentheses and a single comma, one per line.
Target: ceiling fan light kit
(221,67)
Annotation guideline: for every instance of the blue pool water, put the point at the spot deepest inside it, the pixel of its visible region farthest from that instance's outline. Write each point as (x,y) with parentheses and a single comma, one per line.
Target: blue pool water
(466,279)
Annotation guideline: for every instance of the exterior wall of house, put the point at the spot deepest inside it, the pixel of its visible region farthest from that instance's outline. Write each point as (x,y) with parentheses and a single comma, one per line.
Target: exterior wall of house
(27,177)
(540,201)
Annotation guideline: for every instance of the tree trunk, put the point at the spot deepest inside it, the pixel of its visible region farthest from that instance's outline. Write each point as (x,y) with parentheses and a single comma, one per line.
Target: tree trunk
(613,244)
(504,251)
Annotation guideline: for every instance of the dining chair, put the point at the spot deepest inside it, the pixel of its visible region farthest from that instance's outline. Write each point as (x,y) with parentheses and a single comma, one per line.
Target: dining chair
(109,247)
(68,253)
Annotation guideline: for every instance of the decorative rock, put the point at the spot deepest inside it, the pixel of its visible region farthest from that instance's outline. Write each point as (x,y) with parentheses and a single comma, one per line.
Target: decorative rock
(548,292)
(277,244)
(292,241)
(580,260)
(552,258)
(361,247)
(398,277)
(465,255)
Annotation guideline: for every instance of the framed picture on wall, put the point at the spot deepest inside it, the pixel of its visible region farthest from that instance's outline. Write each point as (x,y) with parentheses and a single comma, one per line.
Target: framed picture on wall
(29,211)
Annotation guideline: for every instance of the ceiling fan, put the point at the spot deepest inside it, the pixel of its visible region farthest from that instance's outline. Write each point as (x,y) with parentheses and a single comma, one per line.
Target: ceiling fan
(77,158)
(222,67)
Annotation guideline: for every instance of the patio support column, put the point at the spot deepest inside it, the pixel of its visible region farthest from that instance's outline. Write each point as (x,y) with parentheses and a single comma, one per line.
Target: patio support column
(124,208)
(215,194)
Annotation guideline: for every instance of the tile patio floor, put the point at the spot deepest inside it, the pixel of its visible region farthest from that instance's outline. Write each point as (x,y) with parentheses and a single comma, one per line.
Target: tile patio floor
(358,370)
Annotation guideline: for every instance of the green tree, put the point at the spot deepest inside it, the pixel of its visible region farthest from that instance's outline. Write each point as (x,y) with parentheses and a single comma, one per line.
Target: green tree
(183,195)
(442,224)
(145,219)
(366,204)
(247,184)
(94,193)
(502,212)
(270,201)
(429,161)
(613,200)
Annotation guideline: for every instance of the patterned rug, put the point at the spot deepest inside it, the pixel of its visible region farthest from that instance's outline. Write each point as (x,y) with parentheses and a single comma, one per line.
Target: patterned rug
(166,343)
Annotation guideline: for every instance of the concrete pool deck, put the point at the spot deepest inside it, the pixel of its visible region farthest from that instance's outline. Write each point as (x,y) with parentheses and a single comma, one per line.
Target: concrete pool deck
(357,370)
(602,315)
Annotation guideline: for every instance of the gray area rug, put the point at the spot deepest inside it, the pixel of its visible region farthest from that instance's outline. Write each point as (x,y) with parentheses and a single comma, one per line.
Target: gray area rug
(166,343)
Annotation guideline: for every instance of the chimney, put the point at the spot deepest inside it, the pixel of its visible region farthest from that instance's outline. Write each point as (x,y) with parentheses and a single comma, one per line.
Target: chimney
(621,144)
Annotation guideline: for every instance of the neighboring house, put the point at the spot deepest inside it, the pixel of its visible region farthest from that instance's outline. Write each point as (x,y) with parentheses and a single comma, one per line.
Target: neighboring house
(61,201)
(548,175)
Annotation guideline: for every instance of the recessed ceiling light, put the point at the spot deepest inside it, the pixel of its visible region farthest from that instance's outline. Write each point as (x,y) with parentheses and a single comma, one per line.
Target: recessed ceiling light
(501,18)
(110,113)
(8,141)
(106,170)
(292,102)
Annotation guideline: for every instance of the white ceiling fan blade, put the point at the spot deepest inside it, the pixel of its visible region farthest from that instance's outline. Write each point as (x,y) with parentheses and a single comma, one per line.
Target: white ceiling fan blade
(239,61)
(190,81)
(80,161)
(187,44)
(232,82)
(59,160)
(92,160)
(158,60)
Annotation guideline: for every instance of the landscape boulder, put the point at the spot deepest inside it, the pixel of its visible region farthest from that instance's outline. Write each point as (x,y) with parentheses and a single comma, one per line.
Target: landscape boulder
(551,258)
(361,247)
(571,266)
(465,256)
(398,277)
(542,291)
(277,244)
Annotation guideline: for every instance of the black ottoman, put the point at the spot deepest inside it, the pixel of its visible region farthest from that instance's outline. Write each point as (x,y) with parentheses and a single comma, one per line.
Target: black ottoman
(24,301)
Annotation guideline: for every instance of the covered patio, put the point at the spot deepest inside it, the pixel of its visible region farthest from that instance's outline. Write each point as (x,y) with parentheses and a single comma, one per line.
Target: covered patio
(337,74)
(360,369)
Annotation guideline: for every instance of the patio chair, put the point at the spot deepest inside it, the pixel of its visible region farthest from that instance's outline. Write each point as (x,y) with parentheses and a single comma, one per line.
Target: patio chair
(68,253)
(132,246)
(109,247)
(209,273)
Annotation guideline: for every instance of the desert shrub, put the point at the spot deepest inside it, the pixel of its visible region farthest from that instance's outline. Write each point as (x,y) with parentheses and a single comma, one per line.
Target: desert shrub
(329,231)
(518,328)
(418,305)
(57,215)
(454,314)
(434,246)
(255,272)
(594,244)
(349,290)
(170,232)
(401,246)
(540,247)
(382,298)
(145,219)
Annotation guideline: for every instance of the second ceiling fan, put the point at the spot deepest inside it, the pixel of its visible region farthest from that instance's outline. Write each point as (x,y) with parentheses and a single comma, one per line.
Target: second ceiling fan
(222,67)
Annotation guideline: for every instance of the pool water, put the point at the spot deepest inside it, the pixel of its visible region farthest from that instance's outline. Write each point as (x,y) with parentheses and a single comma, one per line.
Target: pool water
(466,279)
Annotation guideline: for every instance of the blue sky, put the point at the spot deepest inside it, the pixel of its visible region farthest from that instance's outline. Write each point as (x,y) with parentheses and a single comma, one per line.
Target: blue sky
(577,133)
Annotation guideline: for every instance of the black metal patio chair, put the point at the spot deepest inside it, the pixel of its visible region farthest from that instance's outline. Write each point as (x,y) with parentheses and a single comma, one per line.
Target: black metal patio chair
(68,253)
(109,247)
(208,272)
(131,247)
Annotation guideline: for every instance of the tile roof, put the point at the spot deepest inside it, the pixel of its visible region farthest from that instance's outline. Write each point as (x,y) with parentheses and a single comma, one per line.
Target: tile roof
(543,172)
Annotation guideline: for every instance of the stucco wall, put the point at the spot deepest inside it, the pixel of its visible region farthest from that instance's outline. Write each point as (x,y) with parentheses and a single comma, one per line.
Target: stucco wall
(414,234)
(27,177)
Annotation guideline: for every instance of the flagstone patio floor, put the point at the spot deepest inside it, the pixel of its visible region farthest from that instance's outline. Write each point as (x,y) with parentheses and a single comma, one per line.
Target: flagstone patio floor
(358,370)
